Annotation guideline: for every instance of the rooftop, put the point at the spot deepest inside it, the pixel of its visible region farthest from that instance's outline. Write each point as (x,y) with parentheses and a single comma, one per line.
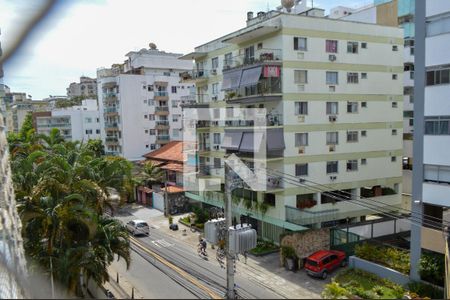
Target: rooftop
(173,151)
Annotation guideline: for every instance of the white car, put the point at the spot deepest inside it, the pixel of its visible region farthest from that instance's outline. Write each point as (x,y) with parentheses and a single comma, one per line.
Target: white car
(138,227)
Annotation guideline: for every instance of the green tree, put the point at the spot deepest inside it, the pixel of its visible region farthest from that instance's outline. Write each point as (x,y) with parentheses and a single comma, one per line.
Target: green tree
(151,174)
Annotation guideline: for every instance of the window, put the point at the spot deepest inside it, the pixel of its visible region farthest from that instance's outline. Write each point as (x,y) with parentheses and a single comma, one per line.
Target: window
(352,78)
(301,108)
(259,46)
(269,199)
(363,75)
(151,117)
(436,77)
(150,88)
(437,125)
(97,131)
(228,59)
(300,76)
(217,163)
(332,167)
(352,47)
(352,165)
(331,46)
(174,89)
(151,102)
(301,170)
(88,120)
(145,101)
(394,131)
(364,133)
(146,131)
(411,122)
(364,45)
(394,105)
(215,88)
(175,118)
(215,63)
(98,120)
(394,76)
(364,104)
(394,48)
(216,138)
(393,158)
(146,146)
(332,138)
(88,131)
(352,136)
(332,78)
(301,139)
(300,43)
(175,103)
(332,108)
(152,132)
(145,116)
(363,161)
(352,107)
(152,146)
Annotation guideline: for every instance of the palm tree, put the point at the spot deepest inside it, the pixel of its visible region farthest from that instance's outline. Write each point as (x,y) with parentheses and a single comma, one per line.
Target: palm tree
(151,174)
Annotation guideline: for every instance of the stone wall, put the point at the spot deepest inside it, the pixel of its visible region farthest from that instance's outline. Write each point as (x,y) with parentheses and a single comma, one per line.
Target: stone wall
(307,242)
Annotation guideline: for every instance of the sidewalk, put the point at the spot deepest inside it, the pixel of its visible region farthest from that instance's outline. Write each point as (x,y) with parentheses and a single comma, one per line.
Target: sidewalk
(123,289)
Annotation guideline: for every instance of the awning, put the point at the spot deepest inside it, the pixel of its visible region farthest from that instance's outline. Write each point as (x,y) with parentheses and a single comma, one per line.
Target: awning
(231,80)
(275,139)
(251,142)
(250,76)
(193,55)
(173,189)
(232,140)
(145,189)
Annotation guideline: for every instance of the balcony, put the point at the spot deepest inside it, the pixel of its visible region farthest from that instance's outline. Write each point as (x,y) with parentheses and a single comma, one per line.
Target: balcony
(111,111)
(162,139)
(263,90)
(161,95)
(162,110)
(262,56)
(112,141)
(408,54)
(274,182)
(111,126)
(110,98)
(271,120)
(196,75)
(305,217)
(112,153)
(408,78)
(162,125)
(204,147)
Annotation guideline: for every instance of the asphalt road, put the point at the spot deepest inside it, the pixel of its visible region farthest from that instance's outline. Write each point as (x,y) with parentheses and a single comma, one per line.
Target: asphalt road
(152,272)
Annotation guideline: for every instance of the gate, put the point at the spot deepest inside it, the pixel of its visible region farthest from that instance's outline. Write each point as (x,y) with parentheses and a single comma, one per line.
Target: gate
(344,241)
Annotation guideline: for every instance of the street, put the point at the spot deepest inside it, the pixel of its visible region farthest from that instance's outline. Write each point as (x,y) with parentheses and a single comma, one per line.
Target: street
(261,277)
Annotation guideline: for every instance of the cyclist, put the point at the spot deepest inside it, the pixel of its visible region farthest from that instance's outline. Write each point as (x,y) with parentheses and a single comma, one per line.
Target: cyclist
(202,246)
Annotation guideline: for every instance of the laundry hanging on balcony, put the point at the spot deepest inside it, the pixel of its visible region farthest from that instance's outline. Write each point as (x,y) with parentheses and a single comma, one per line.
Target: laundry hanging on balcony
(272,71)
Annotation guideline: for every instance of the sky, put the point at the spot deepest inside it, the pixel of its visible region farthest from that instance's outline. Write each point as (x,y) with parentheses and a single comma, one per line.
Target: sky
(80,36)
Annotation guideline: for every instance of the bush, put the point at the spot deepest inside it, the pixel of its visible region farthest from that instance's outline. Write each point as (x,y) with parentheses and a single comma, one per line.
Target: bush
(288,252)
(170,220)
(393,258)
(432,268)
(426,290)
(334,291)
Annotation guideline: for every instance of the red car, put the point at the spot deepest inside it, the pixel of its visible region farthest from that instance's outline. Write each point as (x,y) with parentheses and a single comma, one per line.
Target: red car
(322,262)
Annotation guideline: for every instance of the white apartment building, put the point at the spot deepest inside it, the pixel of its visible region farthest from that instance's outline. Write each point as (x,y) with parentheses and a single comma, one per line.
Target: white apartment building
(333,92)
(87,87)
(76,123)
(140,101)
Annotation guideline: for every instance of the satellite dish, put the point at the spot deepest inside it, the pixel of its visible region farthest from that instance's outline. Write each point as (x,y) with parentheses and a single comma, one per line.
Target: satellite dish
(288,4)
(152,46)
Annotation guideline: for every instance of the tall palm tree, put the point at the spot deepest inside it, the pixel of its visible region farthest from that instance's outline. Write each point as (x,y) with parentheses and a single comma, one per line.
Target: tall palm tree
(151,174)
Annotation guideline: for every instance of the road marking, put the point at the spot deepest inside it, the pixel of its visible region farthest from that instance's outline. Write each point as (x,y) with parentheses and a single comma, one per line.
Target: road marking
(187,276)
(162,243)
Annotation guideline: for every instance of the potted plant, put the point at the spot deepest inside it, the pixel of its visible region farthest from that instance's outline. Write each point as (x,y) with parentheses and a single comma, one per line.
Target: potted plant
(289,257)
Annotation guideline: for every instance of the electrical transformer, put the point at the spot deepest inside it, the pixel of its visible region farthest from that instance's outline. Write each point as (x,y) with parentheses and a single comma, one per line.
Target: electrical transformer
(242,238)
(212,229)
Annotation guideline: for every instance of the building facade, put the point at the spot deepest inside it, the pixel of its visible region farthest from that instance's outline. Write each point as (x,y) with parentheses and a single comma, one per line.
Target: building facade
(332,90)
(87,87)
(77,123)
(140,102)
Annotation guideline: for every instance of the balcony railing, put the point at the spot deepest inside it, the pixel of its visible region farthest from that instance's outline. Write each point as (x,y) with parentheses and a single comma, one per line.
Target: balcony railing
(111,110)
(161,109)
(111,125)
(163,137)
(304,217)
(162,123)
(109,95)
(204,147)
(195,74)
(271,120)
(263,88)
(261,56)
(112,153)
(54,125)
(112,139)
(161,94)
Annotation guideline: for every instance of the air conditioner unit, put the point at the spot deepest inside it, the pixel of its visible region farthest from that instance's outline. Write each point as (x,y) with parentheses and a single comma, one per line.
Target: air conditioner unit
(333,118)
(332,57)
(213,72)
(332,148)
(216,147)
(301,150)
(333,178)
(215,98)
(301,119)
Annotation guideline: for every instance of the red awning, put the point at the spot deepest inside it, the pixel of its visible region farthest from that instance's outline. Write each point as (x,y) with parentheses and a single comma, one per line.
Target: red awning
(173,189)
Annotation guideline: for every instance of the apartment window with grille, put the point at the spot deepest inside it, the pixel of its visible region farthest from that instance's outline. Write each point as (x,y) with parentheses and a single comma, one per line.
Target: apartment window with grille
(363,75)
(332,108)
(300,44)
(352,78)
(152,146)
(150,88)
(228,59)
(215,63)
(352,136)
(394,48)
(97,131)
(352,47)
(215,88)
(152,132)
(300,76)
(145,116)
(394,131)
(364,45)
(352,165)
(394,105)
(151,117)
(301,170)
(174,90)
(216,138)
(436,77)
(364,133)
(88,131)
(331,46)
(363,161)
(393,159)
(352,107)
(394,76)
(364,104)
(411,122)
(301,139)
(332,167)
(301,108)
(217,163)
(332,78)
(332,138)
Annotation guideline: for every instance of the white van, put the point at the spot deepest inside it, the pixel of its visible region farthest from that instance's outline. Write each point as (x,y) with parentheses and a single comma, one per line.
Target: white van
(138,227)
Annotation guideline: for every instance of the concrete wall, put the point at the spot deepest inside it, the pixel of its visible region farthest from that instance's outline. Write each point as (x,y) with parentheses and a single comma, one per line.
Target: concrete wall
(381,271)
(307,242)
(433,240)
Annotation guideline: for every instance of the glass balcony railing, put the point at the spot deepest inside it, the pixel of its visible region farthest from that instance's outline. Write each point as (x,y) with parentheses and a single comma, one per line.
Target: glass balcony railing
(161,109)
(163,137)
(111,125)
(112,139)
(111,110)
(260,56)
(161,94)
(262,88)
(271,120)
(109,95)
(162,123)
(304,217)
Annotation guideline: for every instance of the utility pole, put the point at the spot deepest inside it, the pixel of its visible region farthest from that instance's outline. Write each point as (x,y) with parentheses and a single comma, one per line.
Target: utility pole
(228,222)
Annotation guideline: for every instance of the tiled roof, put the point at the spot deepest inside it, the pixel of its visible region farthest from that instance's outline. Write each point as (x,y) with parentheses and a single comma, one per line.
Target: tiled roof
(173,151)
(173,189)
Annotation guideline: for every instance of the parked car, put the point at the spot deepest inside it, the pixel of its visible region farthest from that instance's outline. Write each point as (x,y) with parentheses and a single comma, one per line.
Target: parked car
(138,227)
(173,227)
(321,263)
